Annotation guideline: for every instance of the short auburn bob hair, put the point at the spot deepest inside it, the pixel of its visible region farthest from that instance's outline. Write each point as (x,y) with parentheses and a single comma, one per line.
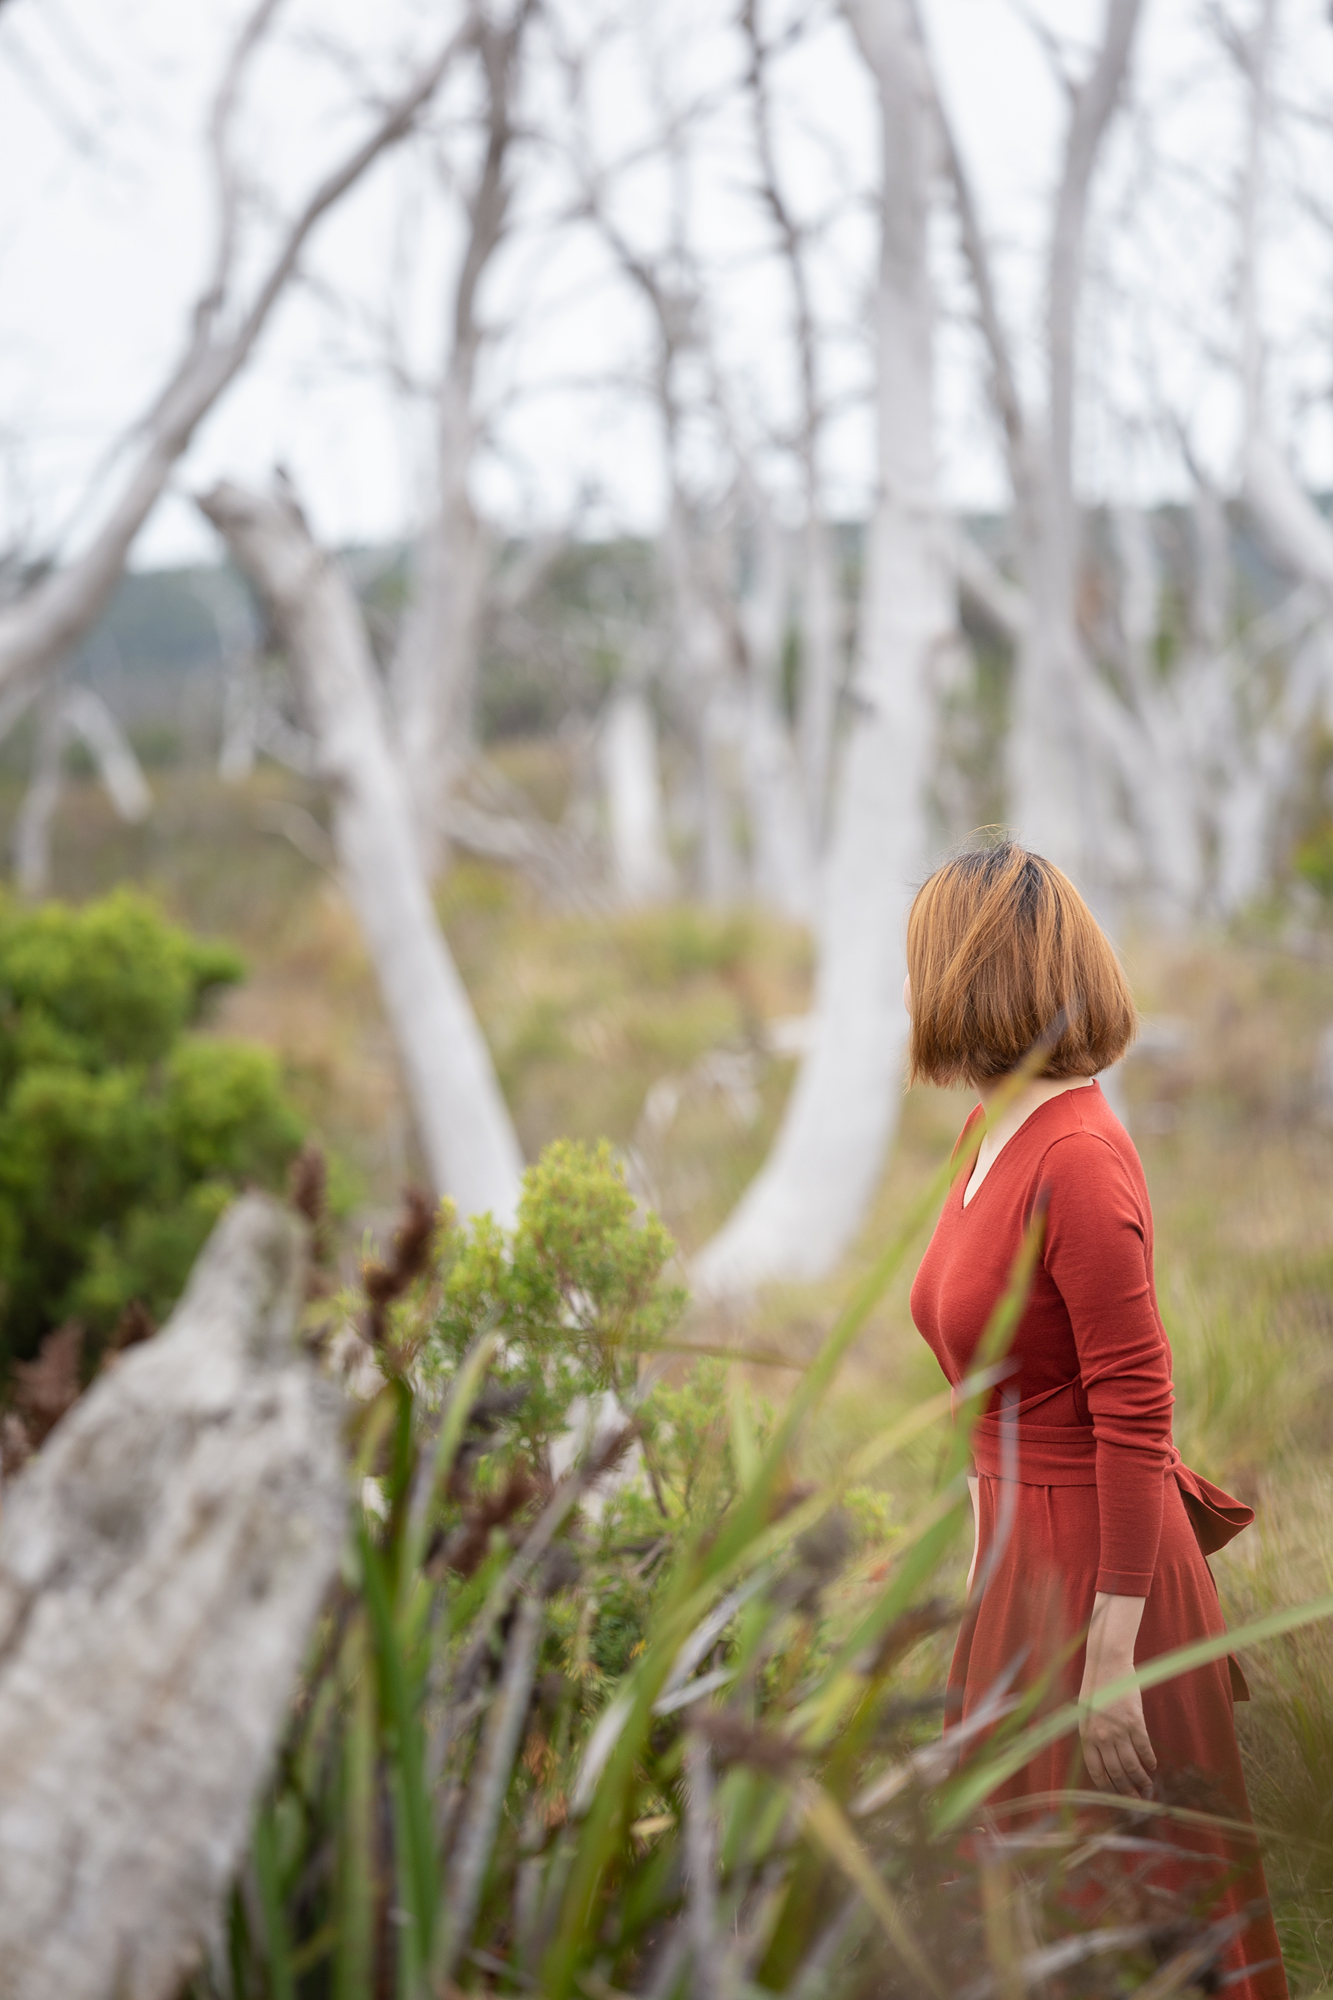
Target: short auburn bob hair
(1003,954)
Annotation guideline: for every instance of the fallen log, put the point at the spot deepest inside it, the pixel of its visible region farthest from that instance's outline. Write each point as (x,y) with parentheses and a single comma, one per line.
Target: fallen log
(162,1561)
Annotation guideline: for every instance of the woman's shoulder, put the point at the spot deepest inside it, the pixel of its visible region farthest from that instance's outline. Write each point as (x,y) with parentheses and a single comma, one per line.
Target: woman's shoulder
(1083,1138)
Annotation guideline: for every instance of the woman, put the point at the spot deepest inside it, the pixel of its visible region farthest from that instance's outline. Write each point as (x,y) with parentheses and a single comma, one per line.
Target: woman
(1090,1550)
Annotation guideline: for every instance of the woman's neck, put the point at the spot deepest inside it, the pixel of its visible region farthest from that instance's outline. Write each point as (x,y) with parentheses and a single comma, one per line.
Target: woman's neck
(1011,1115)
(1039,1090)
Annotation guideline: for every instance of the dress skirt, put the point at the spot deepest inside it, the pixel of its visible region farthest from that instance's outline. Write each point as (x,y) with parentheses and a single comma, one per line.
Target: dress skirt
(1034,1603)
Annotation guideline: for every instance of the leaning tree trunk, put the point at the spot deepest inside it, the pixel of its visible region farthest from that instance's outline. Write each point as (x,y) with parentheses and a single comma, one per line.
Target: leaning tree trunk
(161,1563)
(807,1202)
(461,1115)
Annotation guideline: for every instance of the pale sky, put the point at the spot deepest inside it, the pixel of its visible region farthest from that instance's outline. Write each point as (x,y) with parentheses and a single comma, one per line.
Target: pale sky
(105,229)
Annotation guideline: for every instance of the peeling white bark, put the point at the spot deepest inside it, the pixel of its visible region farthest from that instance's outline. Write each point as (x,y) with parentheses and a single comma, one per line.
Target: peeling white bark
(465,1127)
(806,1204)
(161,1564)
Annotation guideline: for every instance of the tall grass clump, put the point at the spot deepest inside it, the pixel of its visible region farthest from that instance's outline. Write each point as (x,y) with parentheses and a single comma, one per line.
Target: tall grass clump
(610,1702)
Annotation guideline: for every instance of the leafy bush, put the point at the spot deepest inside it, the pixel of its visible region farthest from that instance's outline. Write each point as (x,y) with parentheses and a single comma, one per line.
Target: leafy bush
(665,1739)
(578,1289)
(122,1135)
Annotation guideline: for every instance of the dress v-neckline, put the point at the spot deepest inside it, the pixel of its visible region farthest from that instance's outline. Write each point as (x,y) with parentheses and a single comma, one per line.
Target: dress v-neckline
(967,1199)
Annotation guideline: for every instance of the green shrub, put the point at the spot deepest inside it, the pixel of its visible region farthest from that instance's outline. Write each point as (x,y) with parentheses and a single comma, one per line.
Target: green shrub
(578,1289)
(122,1134)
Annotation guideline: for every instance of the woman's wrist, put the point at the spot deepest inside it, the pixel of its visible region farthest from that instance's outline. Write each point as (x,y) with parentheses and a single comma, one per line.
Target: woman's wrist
(1112,1633)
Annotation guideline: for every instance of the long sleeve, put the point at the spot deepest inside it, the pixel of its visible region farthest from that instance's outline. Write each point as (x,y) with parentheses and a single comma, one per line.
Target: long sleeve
(1096,1254)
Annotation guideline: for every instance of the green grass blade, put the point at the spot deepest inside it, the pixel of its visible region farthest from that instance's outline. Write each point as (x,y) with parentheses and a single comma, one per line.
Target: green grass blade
(264,1853)
(406,1755)
(355,1876)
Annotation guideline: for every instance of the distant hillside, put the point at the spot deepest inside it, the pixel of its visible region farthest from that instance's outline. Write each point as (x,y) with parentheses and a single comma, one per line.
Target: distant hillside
(157,656)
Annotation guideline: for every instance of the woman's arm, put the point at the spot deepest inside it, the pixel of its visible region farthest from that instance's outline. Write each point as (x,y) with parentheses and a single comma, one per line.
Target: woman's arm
(1116,1748)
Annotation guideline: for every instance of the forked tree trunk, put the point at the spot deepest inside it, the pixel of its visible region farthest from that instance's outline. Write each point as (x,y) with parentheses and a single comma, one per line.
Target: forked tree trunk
(809,1199)
(465,1127)
(162,1561)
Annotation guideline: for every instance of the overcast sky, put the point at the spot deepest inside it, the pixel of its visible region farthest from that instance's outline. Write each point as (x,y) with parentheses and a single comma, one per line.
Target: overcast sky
(105,229)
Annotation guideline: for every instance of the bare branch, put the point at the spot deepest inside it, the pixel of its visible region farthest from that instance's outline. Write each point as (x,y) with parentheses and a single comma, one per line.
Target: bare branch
(36,629)
(1003,379)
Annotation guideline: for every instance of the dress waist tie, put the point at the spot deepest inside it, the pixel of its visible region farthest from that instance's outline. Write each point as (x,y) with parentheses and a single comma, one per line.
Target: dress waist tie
(1008,1445)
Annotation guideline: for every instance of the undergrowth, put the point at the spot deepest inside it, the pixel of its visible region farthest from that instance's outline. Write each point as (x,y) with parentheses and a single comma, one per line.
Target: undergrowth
(610,1703)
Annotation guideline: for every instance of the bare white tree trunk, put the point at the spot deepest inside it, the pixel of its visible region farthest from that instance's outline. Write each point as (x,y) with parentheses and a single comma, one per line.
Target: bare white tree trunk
(434,676)
(162,1561)
(1295,532)
(783,855)
(69,715)
(821,668)
(464,1124)
(704,685)
(242,692)
(806,1204)
(820,674)
(632,781)
(434,679)
(1055,781)
(1162,778)
(42,625)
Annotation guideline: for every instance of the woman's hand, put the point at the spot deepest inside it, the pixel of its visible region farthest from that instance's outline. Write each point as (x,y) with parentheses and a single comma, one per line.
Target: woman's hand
(1116,1747)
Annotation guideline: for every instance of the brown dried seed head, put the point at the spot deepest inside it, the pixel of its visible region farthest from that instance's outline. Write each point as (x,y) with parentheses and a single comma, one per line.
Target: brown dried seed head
(45,1388)
(308,1184)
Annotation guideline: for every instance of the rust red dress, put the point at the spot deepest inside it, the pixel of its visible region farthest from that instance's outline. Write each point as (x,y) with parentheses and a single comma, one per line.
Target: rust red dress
(1094,1495)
